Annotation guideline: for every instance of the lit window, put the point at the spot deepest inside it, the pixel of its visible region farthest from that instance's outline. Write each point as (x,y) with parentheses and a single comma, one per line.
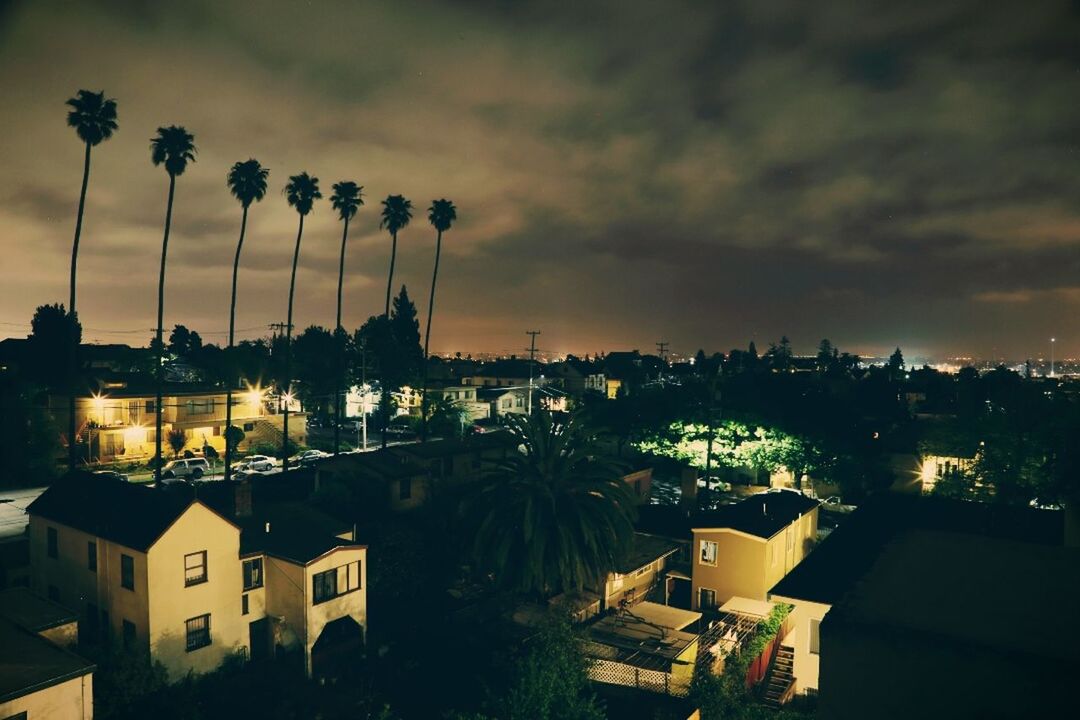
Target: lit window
(198,632)
(194,568)
(708,552)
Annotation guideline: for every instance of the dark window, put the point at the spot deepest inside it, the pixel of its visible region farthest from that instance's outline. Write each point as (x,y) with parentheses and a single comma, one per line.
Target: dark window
(248,427)
(127,572)
(325,586)
(253,573)
(194,568)
(17,716)
(51,540)
(244,604)
(129,634)
(706,599)
(54,593)
(405,488)
(91,556)
(149,406)
(815,636)
(198,632)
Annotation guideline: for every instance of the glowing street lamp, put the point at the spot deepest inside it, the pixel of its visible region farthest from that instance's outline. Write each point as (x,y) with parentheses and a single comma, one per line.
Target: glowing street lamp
(1052,341)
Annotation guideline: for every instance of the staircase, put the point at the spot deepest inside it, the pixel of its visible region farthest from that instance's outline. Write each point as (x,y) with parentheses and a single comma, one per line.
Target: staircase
(264,432)
(780,680)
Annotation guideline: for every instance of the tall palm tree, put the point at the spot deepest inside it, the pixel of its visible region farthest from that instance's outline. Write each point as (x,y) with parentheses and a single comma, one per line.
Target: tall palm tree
(346,199)
(556,515)
(94,119)
(441,215)
(173,147)
(301,192)
(396,214)
(247,183)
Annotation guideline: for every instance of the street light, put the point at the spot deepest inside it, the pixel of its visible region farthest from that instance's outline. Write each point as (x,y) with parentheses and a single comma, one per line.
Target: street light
(1052,341)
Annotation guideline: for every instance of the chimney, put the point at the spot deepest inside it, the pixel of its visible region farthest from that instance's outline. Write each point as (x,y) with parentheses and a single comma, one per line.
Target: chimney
(242,504)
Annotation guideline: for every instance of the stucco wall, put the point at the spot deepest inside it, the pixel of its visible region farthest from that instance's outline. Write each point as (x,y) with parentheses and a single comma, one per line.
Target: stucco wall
(353,603)
(69,700)
(739,569)
(806,665)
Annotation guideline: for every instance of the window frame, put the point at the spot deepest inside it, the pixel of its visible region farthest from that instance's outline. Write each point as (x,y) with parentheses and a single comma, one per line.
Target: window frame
(715,554)
(196,579)
(346,579)
(127,572)
(194,637)
(251,562)
(815,637)
(702,606)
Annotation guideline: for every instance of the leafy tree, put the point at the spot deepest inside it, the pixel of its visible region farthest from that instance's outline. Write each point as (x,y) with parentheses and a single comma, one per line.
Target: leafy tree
(93,117)
(301,192)
(346,199)
(442,215)
(406,330)
(29,439)
(52,329)
(555,516)
(177,441)
(183,342)
(173,147)
(233,437)
(445,417)
(393,343)
(396,214)
(315,365)
(247,183)
(896,365)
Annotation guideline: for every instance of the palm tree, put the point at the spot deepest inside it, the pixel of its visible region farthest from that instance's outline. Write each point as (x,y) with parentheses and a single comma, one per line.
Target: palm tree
(173,147)
(346,199)
(396,214)
(441,215)
(247,182)
(556,515)
(94,120)
(301,192)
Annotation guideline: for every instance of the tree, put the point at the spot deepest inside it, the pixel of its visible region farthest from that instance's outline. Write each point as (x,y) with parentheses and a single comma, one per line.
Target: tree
(396,214)
(896,364)
(441,215)
(94,119)
(555,516)
(301,192)
(177,440)
(314,368)
(247,183)
(183,342)
(346,199)
(29,440)
(52,329)
(406,330)
(173,147)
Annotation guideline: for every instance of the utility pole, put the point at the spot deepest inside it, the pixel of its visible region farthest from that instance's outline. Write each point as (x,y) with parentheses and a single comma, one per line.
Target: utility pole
(661,349)
(363,389)
(532,353)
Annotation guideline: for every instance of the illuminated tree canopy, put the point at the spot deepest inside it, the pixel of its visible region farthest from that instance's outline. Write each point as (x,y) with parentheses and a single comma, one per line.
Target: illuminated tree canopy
(734,444)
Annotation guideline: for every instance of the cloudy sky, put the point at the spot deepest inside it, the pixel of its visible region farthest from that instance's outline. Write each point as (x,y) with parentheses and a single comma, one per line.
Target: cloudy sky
(875,172)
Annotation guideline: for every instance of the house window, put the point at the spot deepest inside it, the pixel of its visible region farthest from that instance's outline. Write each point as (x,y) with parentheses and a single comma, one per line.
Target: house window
(129,634)
(708,552)
(249,427)
(127,572)
(244,604)
(51,542)
(253,573)
(149,406)
(194,568)
(815,636)
(198,632)
(706,599)
(91,556)
(405,488)
(332,583)
(643,570)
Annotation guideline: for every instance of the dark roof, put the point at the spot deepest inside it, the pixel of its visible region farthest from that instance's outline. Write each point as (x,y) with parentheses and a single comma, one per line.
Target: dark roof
(39,665)
(434,449)
(762,515)
(833,568)
(644,550)
(297,532)
(33,612)
(126,513)
(669,521)
(384,463)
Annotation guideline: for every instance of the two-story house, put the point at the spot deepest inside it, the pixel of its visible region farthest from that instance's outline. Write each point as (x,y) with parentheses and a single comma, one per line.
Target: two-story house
(164,573)
(464,397)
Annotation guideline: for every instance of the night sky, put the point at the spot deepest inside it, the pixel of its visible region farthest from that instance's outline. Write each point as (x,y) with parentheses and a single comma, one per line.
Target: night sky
(875,172)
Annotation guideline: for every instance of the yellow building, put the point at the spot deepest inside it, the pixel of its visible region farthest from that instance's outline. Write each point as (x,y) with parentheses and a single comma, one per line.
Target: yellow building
(744,549)
(39,676)
(163,572)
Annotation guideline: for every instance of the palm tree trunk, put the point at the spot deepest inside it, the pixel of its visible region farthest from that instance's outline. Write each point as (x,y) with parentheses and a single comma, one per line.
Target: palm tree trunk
(228,361)
(427,338)
(339,337)
(288,350)
(390,279)
(73,344)
(160,343)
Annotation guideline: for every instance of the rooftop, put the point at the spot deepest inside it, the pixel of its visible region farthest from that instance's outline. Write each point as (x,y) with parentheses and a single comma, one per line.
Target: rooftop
(645,549)
(848,553)
(33,612)
(33,663)
(762,515)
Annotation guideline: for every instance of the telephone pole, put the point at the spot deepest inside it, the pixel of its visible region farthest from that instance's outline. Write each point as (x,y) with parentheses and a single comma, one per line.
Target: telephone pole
(661,349)
(532,353)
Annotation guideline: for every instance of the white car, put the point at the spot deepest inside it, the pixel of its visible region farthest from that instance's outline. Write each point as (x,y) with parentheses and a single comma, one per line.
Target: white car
(308,456)
(185,469)
(258,463)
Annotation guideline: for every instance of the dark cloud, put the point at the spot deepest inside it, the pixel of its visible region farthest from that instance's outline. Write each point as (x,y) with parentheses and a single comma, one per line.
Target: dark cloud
(875,172)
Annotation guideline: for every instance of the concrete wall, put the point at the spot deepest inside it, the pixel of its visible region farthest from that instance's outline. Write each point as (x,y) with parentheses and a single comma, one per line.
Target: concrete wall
(172,603)
(806,665)
(69,700)
(632,584)
(739,569)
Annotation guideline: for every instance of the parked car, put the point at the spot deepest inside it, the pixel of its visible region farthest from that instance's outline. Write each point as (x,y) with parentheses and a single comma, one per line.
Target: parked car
(258,463)
(185,469)
(835,504)
(306,457)
(112,475)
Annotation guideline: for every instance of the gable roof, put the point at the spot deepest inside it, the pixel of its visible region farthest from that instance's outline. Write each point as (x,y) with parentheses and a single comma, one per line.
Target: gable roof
(32,612)
(129,514)
(837,564)
(41,664)
(644,550)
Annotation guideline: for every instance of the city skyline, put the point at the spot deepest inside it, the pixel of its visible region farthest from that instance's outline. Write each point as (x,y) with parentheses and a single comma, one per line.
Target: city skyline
(707,177)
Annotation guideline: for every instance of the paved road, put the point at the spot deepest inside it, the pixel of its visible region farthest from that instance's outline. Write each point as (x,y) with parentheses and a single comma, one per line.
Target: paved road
(13,503)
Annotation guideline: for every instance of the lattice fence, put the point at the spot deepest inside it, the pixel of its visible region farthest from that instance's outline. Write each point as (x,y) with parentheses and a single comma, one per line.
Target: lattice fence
(615,673)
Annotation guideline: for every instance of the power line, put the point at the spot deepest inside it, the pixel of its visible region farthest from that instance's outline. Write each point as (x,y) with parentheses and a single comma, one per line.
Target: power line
(532,354)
